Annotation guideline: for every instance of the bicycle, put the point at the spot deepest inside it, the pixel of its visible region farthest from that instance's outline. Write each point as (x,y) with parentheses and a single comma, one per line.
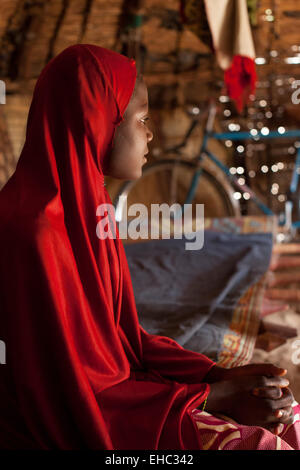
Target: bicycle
(190,181)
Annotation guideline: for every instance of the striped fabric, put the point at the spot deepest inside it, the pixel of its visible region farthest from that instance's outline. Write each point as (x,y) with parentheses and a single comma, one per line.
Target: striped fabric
(222,433)
(239,340)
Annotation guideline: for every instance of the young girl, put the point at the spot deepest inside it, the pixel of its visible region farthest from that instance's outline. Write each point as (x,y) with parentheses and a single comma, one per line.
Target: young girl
(80,372)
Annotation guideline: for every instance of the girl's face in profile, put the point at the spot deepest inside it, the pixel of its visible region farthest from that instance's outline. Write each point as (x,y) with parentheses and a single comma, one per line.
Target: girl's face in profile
(131,139)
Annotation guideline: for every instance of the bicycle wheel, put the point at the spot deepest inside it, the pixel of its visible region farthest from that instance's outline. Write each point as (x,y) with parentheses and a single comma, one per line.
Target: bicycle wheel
(168,181)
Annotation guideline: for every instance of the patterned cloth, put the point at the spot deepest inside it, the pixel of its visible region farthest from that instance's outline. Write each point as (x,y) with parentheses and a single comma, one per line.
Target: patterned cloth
(222,433)
(239,340)
(191,296)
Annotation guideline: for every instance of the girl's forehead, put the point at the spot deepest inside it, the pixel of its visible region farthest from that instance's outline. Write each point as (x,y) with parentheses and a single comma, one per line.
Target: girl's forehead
(140,91)
(139,98)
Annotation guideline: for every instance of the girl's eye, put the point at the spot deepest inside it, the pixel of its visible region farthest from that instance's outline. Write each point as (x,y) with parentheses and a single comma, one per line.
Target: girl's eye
(144,120)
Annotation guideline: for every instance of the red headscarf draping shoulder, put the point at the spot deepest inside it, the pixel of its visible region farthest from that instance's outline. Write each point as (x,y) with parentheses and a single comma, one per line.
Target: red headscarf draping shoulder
(80,372)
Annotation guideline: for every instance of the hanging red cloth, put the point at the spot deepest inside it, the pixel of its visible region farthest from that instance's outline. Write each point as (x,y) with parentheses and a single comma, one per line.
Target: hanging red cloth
(240,80)
(80,372)
(232,41)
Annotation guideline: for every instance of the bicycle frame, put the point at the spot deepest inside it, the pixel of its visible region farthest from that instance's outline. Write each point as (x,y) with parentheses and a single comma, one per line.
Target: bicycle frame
(285,218)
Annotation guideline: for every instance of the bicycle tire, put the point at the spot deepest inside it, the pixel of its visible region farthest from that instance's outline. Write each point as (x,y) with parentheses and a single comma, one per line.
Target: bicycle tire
(153,187)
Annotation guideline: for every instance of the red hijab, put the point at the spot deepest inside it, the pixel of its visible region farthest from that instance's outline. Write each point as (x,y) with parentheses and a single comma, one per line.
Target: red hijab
(80,372)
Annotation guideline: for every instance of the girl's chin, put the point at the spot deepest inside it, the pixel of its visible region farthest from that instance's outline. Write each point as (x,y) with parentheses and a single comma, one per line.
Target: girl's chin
(132,176)
(126,175)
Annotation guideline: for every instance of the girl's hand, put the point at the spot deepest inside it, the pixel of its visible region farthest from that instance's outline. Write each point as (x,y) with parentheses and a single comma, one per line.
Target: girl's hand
(217,373)
(239,399)
(284,415)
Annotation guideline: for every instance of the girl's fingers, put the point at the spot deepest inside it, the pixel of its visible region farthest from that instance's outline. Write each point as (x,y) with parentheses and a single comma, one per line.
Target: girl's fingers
(287,418)
(268,392)
(275,428)
(262,369)
(278,429)
(285,415)
(281,416)
(265,382)
(282,403)
(277,410)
